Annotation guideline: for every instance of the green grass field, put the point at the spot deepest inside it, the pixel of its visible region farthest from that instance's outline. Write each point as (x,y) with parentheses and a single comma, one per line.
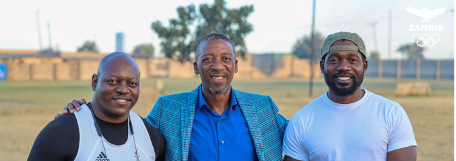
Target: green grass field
(26,107)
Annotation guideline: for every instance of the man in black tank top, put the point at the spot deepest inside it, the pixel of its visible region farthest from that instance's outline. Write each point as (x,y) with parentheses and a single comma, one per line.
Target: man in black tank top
(116,90)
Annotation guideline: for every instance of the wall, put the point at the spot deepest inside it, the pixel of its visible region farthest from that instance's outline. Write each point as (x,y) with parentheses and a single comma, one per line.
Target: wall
(71,67)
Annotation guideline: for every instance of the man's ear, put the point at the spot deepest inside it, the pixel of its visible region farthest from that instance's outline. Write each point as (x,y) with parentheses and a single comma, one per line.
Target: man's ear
(235,65)
(365,65)
(322,66)
(195,68)
(94,81)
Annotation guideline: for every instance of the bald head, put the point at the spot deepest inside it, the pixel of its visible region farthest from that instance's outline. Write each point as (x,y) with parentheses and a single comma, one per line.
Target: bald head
(113,59)
(116,87)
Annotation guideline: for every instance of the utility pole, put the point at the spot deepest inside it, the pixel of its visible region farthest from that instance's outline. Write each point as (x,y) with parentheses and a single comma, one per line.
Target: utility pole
(375,34)
(49,32)
(389,34)
(39,30)
(312,53)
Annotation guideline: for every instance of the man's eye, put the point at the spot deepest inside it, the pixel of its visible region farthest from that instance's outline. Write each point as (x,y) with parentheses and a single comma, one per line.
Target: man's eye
(132,84)
(226,58)
(110,81)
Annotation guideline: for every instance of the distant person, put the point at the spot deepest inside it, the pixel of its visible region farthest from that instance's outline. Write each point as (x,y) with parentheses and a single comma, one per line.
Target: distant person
(105,129)
(215,121)
(348,122)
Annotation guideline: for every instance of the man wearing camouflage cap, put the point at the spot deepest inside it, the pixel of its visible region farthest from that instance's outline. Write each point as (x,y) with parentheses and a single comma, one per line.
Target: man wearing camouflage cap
(348,122)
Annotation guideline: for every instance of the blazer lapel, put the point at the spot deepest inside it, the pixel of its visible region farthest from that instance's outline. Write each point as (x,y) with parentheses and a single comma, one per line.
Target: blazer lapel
(187,116)
(250,114)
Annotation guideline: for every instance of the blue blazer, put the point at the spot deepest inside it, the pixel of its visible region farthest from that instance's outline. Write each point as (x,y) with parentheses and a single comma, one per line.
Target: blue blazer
(173,116)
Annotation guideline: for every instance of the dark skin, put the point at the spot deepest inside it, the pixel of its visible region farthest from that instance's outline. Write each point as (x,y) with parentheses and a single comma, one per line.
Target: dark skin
(216,64)
(116,90)
(351,62)
(344,61)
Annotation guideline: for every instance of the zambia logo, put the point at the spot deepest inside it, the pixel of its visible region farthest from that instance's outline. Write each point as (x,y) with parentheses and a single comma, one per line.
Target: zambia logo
(426,14)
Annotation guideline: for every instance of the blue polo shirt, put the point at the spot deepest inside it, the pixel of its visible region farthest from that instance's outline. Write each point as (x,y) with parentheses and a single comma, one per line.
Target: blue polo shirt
(222,138)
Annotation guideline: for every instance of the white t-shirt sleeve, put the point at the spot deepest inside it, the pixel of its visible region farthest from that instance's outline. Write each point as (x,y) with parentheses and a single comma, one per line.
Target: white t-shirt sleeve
(400,129)
(293,140)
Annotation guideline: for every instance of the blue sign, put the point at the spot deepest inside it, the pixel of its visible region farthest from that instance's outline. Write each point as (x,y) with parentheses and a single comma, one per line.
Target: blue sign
(2,71)
(119,42)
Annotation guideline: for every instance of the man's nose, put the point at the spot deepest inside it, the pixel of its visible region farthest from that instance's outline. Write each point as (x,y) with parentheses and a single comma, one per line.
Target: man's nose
(217,64)
(122,88)
(344,65)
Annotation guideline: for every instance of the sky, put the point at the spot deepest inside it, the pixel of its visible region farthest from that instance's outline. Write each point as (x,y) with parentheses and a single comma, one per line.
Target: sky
(276,24)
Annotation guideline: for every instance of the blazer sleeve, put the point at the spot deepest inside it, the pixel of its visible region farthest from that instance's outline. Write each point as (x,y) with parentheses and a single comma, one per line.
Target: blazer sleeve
(154,116)
(281,121)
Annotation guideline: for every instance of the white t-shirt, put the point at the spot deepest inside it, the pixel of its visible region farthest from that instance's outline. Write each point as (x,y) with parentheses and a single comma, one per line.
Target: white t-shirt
(364,130)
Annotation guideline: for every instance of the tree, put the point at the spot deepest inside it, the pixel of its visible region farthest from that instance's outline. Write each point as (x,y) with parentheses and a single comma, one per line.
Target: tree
(179,42)
(412,51)
(306,48)
(88,46)
(144,50)
(374,55)
(301,48)
(175,39)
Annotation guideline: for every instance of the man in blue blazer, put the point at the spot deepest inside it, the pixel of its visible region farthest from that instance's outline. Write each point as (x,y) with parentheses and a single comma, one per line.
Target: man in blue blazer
(215,121)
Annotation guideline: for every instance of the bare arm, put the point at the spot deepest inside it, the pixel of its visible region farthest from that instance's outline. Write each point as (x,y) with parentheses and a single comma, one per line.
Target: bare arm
(287,158)
(71,107)
(403,154)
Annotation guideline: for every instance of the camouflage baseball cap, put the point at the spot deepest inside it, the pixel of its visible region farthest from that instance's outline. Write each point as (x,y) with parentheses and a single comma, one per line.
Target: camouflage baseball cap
(326,48)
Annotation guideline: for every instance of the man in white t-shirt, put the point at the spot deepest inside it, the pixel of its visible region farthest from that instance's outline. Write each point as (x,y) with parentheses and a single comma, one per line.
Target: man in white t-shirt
(348,122)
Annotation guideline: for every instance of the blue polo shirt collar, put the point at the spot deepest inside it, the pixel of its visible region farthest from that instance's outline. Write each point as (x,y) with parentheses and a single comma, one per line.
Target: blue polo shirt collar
(202,102)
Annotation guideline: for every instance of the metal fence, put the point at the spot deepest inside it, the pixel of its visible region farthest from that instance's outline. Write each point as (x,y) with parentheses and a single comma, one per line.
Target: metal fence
(418,69)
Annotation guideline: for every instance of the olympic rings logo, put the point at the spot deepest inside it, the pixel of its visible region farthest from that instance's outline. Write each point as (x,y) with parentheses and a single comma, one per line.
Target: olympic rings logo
(425,39)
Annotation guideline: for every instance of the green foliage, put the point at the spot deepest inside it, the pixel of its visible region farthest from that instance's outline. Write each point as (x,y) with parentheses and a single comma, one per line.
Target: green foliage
(374,55)
(302,50)
(179,42)
(88,46)
(412,51)
(144,50)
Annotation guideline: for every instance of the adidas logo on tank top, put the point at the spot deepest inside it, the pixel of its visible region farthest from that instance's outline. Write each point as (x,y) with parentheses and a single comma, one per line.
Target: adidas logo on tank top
(102,157)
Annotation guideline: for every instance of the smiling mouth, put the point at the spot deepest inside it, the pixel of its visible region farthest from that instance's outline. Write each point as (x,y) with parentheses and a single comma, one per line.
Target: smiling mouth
(217,78)
(121,100)
(343,78)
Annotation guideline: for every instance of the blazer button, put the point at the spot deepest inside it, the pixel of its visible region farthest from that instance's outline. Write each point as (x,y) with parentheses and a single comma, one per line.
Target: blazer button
(223,142)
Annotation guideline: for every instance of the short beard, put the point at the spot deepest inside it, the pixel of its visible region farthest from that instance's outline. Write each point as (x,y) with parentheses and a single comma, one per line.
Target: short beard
(218,91)
(344,91)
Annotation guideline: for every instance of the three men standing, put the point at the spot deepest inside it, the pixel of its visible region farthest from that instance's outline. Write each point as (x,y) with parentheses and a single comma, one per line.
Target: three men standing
(217,122)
